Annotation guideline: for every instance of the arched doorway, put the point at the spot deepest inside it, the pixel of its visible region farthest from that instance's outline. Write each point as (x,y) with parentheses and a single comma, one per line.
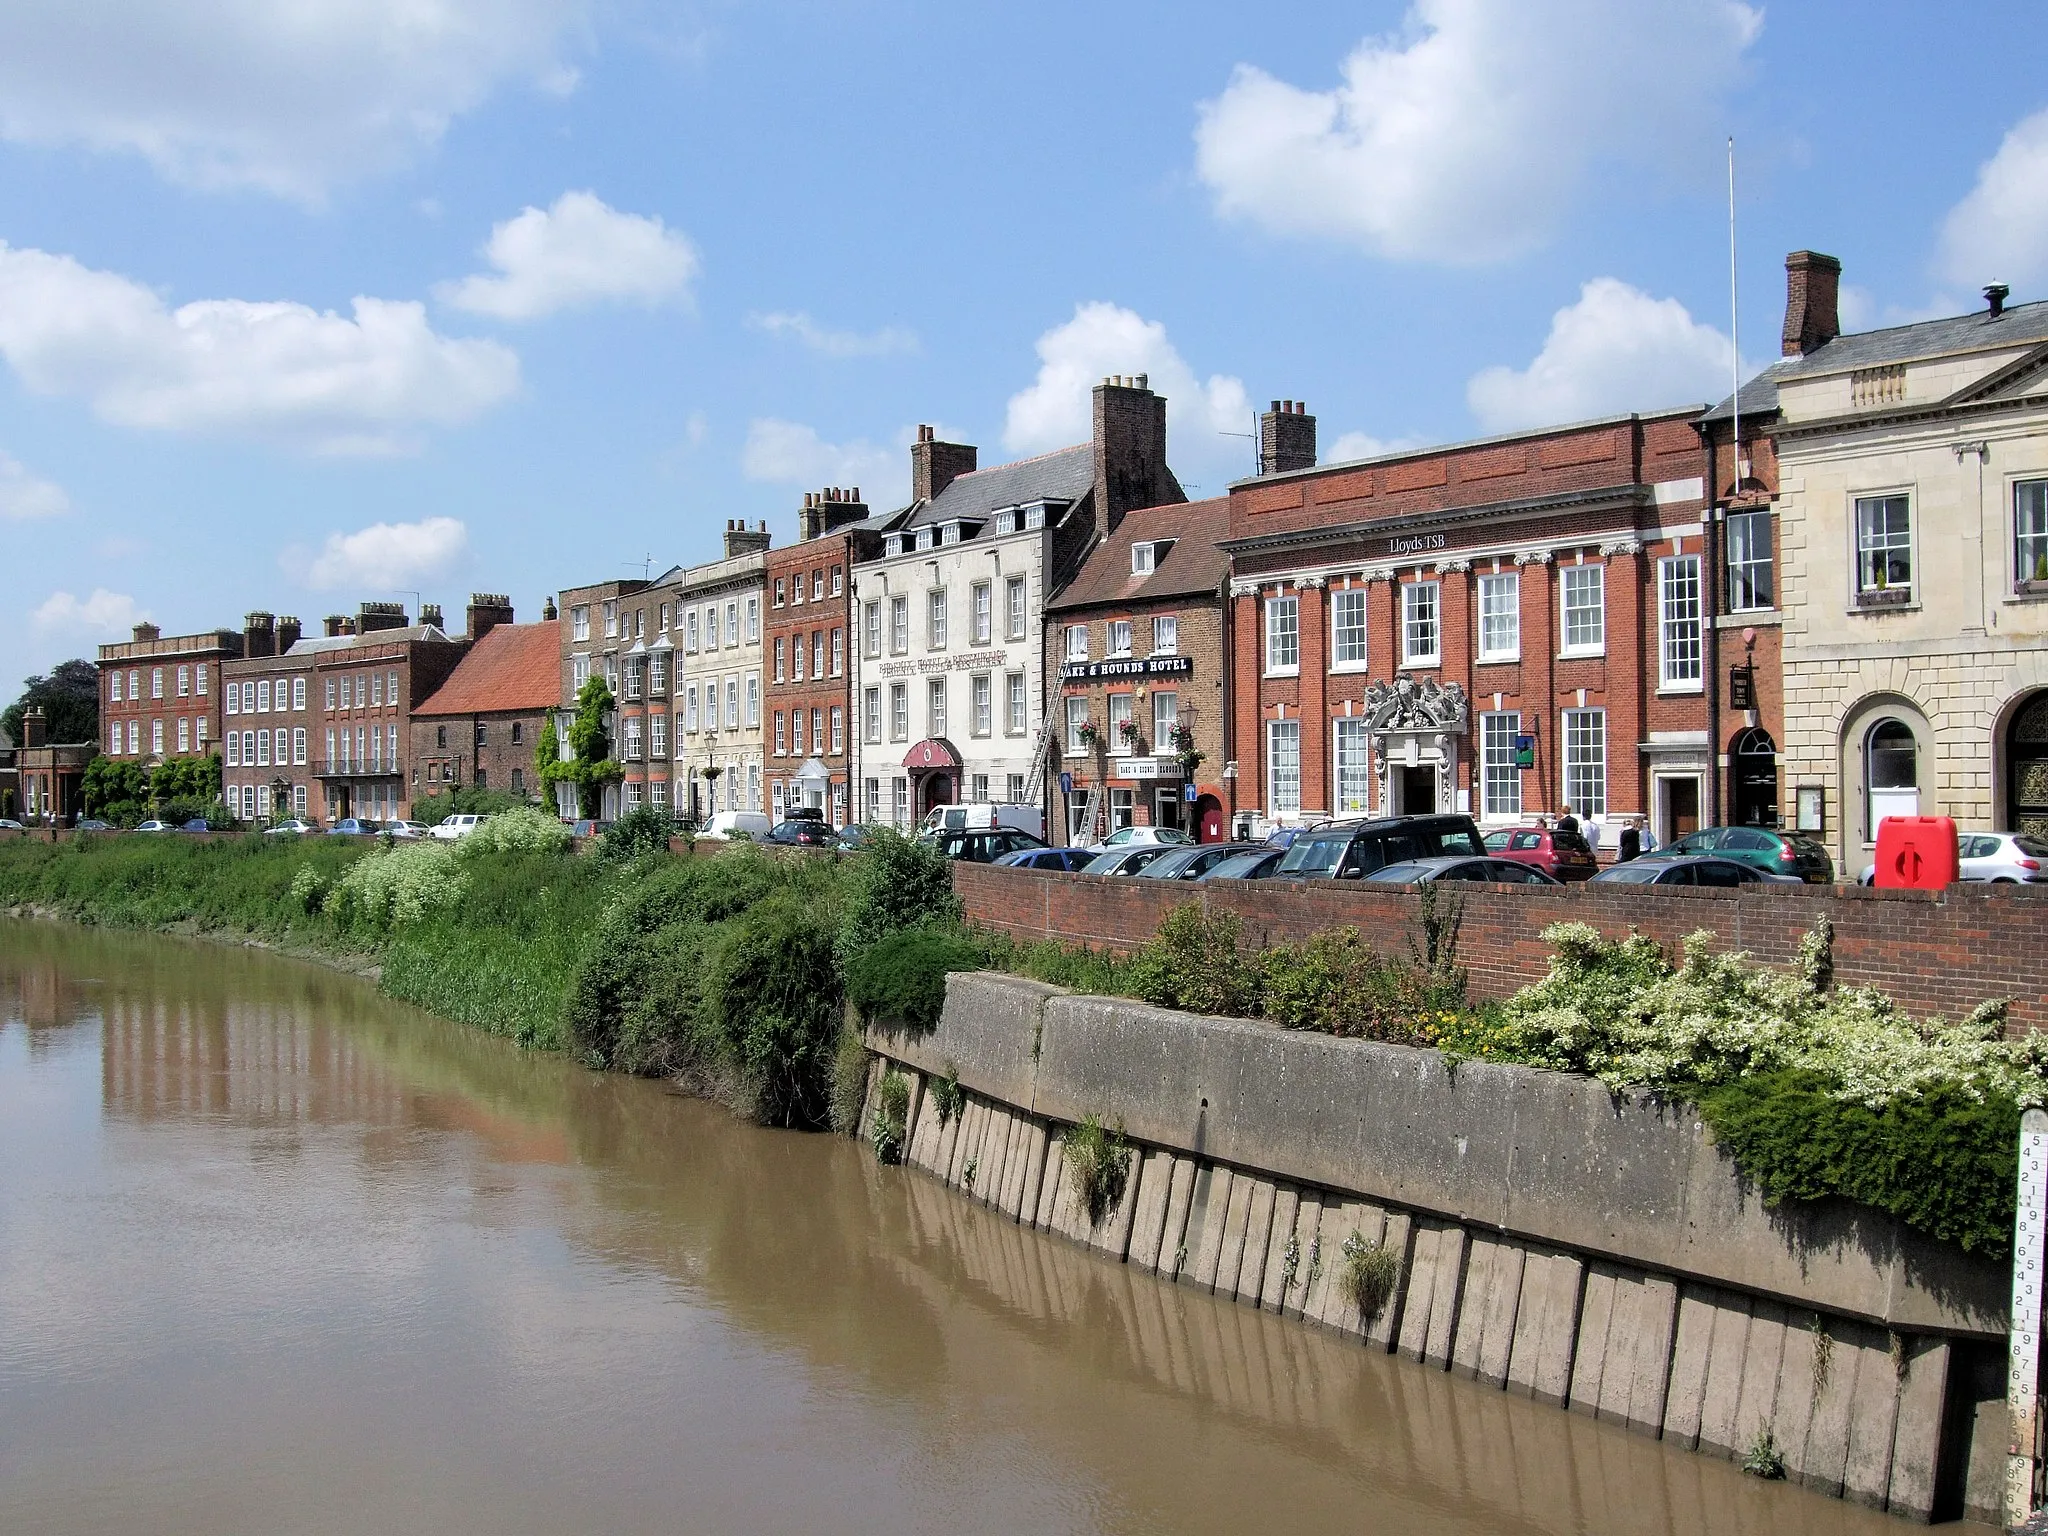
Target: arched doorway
(2026,768)
(1754,763)
(1891,773)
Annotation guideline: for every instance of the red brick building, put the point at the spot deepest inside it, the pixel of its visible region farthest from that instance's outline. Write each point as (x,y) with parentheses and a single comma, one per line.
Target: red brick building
(269,710)
(160,694)
(1501,627)
(481,726)
(807,655)
(1136,647)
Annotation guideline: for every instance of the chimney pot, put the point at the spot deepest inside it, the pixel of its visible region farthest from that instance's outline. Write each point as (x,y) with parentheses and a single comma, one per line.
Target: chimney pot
(1287,438)
(1995,295)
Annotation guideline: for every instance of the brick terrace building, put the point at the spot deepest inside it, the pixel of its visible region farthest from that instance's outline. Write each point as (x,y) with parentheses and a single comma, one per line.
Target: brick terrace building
(47,774)
(591,646)
(157,692)
(481,726)
(371,673)
(269,712)
(1408,628)
(1140,638)
(809,660)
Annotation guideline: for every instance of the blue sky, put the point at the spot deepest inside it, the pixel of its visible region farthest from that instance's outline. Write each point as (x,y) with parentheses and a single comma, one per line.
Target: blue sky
(627,270)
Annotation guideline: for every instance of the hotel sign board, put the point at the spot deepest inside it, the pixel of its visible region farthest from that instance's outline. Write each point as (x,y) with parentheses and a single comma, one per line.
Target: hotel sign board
(1130,666)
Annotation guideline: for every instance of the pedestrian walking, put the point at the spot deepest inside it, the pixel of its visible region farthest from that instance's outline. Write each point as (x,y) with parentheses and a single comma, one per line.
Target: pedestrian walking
(1630,844)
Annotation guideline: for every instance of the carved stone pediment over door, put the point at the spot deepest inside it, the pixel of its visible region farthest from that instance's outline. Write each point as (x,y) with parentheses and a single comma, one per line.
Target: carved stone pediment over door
(1415,729)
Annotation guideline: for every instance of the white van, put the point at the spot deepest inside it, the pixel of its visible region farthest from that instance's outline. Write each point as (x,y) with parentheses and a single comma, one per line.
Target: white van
(455,827)
(985,817)
(748,824)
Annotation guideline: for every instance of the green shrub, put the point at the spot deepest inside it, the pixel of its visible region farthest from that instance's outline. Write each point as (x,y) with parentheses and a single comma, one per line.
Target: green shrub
(892,884)
(644,829)
(519,829)
(661,1029)
(1369,1274)
(892,1116)
(1100,1161)
(774,1004)
(947,1097)
(1194,962)
(1338,984)
(849,1080)
(902,976)
(396,887)
(1764,1458)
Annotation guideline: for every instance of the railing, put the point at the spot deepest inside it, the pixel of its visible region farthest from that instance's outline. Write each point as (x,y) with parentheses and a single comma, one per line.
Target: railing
(1878,386)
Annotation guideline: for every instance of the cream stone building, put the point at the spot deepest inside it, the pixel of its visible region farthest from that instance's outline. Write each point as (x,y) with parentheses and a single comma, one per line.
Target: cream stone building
(1913,537)
(715,626)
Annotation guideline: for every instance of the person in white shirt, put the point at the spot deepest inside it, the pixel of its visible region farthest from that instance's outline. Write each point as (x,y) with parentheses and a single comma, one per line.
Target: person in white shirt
(1591,831)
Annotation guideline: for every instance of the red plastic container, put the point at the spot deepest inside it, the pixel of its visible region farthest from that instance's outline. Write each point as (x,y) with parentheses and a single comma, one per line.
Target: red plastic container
(1916,853)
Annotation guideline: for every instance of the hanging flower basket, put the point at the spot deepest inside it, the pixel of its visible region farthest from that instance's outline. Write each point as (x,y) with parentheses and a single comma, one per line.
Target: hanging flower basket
(1127,732)
(1182,739)
(1089,734)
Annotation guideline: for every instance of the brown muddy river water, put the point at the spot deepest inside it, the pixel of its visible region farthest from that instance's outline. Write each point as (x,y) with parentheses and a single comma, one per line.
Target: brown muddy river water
(280,1255)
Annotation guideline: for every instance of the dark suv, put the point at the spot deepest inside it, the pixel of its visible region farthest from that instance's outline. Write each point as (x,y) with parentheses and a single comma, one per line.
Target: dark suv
(1351,850)
(982,845)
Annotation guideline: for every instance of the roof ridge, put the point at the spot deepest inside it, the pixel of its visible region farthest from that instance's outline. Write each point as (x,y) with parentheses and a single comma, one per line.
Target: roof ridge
(1908,325)
(1036,458)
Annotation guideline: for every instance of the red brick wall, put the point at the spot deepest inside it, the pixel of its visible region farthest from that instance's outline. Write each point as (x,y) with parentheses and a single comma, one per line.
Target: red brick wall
(1934,952)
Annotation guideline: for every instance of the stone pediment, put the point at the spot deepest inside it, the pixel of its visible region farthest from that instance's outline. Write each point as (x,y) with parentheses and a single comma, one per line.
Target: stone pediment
(1408,705)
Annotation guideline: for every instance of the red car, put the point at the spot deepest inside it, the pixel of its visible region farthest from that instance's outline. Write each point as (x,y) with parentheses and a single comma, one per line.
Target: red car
(1561,855)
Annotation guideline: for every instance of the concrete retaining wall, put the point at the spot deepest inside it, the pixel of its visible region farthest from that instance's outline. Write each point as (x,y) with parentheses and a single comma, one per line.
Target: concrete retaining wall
(1588,1251)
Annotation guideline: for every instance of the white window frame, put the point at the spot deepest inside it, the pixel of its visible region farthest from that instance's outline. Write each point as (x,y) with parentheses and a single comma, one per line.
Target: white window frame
(899,625)
(871,714)
(935,619)
(1587,576)
(1681,625)
(1283,635)
(1017,704)
(1584,761)
(1500,781)
(1077,716)
(1351,765)
(899,711)
(1500,616)
(1166,635)
(1861,547)
(1118,708)
(1350,643)
(1283,767)
(981,719)
(1415,625)
(1077,642)
(1014,600)
(1117,639)
(1752,577)
(935,706)
(983,604)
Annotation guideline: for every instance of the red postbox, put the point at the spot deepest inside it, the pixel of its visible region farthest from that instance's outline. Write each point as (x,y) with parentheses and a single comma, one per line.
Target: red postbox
(1916,853)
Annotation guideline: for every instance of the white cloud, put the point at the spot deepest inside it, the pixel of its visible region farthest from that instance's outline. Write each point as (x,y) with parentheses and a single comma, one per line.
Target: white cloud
(1465,136)
(1999,232)
(24,496)
(836,343)
(577,252)
(275,370)
(781,452)
(385,557)
(1617,349)
(286,98)
(1103,339)
(1363,445)
(104,613)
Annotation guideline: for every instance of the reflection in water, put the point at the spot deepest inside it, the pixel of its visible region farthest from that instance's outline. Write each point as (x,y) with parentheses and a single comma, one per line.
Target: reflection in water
(281,1254)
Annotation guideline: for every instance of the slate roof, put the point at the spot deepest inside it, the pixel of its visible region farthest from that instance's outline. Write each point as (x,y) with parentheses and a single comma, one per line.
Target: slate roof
(2020,325)
(1194,567)
(1065,474)
(312,643)
(514,669)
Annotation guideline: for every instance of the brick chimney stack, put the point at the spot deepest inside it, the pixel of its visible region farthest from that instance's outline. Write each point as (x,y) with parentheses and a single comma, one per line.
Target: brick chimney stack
(935,465)
(288,632)
(371,617)
(430,613)
(146,631)
(742,540)
(823,511)
(337,625)
(1130,451)
(259,635)
(1813,286)
(547,609)
(1287,438)
(487,610)
(35,728)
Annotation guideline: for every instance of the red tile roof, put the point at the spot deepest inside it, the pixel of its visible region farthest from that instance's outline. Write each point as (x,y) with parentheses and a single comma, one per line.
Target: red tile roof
(515,668)
(1194,567)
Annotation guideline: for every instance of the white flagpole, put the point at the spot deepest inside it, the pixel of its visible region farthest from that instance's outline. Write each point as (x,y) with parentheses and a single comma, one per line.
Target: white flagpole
(1734,332)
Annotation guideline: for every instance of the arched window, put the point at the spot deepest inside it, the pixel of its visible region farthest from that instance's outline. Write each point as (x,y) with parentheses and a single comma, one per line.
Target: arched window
(1891,772)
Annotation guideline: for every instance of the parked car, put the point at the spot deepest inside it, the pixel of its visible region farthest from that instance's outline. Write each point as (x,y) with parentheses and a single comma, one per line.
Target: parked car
(1127,860)
(1351,850)
(407,831)
(802,832)
(1692,869)
(89,824)
(854,837)
(985,816)
(1994,858)
(196,824)
(737,826)
(1490,871)
(455,827)
(982,846)
(1069,859)
(296,827)
(1259,864)
(1782,853)
(1124,837)
(589,827)
(353,826)
(9,824)
(1283,837)
(153,825)
(1193,863)
(1559,854)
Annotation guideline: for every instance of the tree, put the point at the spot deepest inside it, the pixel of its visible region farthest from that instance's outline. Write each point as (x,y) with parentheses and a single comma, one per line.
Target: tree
(591,765)
(69,698)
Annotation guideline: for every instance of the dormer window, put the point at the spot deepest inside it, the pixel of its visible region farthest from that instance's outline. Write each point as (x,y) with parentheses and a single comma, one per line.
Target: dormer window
(949,534)
(1034,517)
(924,539)
(1006,522)
(1146,555)
(894,546)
